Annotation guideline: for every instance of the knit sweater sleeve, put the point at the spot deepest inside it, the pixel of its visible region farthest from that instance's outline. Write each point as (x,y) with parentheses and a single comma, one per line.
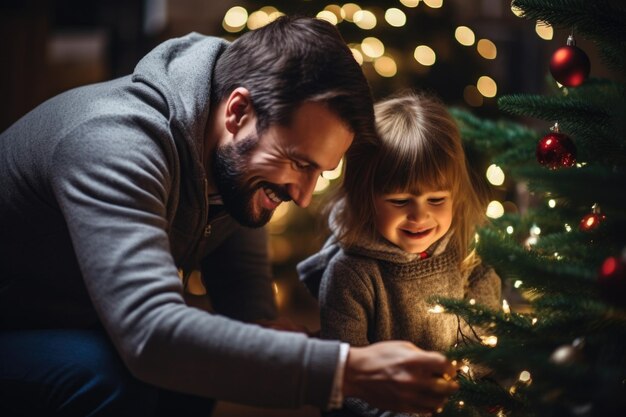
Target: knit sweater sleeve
(484,286)
(346,300)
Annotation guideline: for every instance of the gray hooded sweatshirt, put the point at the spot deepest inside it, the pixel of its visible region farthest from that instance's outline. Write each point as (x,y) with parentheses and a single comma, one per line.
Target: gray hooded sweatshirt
(102,200)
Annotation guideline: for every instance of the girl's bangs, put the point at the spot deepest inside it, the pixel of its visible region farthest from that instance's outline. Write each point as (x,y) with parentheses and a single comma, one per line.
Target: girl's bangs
(416,171)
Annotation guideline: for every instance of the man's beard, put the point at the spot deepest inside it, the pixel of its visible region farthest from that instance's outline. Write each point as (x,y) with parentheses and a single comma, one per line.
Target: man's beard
(230,163)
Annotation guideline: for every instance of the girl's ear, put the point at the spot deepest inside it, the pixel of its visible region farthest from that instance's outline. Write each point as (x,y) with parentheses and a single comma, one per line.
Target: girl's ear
(238,110)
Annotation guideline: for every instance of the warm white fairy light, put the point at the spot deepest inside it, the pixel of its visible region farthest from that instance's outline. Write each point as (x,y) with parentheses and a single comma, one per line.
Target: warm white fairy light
(534,321)
(348,10)
(364,19)
(510,230)
(487,86)
(518,283)
(524,376)
(567,227)
(544,30)
(328,16)
(385,66)
(461,403)
(425,55)
(495,175)
(410,3)
(489,340)
(433,4)
(552,203)
(487,49)
(436,309)
(395,17)
(464,35)
(358,56)
(235,19)
(505,307)
(372,47)
(535,230)
(472,301)
(516,10)
(495,209)
(258,19)
(337,11)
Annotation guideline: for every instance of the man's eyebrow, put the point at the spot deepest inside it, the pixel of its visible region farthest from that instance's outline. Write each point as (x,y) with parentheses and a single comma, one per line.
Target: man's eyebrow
(305,159)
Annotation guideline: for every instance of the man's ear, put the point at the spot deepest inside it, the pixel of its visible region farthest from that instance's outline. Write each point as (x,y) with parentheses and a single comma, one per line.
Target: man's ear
(238,110)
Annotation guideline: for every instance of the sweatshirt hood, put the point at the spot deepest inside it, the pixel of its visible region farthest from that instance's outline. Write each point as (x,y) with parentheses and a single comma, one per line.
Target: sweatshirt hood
(311,270)
(181,69)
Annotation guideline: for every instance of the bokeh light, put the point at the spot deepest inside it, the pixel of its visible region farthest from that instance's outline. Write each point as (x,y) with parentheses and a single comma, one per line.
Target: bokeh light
(487,49)
(544,30)
(410,3)
(337,11)
(464,35)
(358,56)
(487,86)
(235,19)
(348,10)
(425,55)
(495,209)
(395,17)
(364,19)
(372,47)
(385,66)
(328,16)
(434,4)
(258,19)
(495,175)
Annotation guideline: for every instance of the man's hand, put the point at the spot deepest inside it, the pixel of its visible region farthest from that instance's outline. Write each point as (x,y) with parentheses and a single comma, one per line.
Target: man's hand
(399,376)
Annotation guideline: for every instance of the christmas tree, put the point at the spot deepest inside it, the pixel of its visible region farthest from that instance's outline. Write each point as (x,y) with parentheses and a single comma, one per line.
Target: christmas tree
(565,354)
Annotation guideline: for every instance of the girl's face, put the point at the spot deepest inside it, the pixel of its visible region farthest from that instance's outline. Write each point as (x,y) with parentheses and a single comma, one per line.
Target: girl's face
(413,222)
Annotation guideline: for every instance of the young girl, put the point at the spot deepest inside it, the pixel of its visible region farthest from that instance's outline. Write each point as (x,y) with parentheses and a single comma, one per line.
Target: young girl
(402,226)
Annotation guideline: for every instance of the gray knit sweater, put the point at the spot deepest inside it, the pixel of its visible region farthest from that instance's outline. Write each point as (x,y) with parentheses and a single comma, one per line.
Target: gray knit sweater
(376,292)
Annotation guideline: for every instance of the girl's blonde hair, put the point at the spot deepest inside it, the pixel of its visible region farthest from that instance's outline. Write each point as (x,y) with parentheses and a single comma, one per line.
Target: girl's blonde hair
(419,150)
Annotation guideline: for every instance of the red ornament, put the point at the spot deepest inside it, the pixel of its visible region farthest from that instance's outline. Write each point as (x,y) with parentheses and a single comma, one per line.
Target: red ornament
(556,150)
(612,280)
(569,64)
(592,220)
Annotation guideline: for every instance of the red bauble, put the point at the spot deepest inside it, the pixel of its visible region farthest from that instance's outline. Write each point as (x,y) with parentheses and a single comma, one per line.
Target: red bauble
(591,222)
(570,65)
(556,150)
(612,280)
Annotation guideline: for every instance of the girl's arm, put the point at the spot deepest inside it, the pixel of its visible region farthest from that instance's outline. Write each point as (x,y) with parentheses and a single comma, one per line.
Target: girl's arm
(346,301)
(484,286)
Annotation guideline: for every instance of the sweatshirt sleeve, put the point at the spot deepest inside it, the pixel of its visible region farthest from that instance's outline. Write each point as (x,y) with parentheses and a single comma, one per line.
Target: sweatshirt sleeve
(484,286)
(111,183)
(345,303)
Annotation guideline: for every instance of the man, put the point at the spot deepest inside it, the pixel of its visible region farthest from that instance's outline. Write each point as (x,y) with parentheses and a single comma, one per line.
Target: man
(106,191)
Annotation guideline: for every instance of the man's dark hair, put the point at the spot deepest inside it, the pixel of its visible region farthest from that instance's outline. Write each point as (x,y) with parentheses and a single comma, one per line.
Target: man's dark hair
(293,60)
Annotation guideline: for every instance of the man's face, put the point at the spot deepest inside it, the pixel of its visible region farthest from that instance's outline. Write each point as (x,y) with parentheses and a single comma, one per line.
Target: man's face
(256,173)
(413,222)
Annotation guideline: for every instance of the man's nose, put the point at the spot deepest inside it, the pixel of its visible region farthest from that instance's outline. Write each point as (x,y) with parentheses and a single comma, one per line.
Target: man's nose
(301,191)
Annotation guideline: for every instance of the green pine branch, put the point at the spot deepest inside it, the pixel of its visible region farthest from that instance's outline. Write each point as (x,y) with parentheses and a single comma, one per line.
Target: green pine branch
(601,21)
